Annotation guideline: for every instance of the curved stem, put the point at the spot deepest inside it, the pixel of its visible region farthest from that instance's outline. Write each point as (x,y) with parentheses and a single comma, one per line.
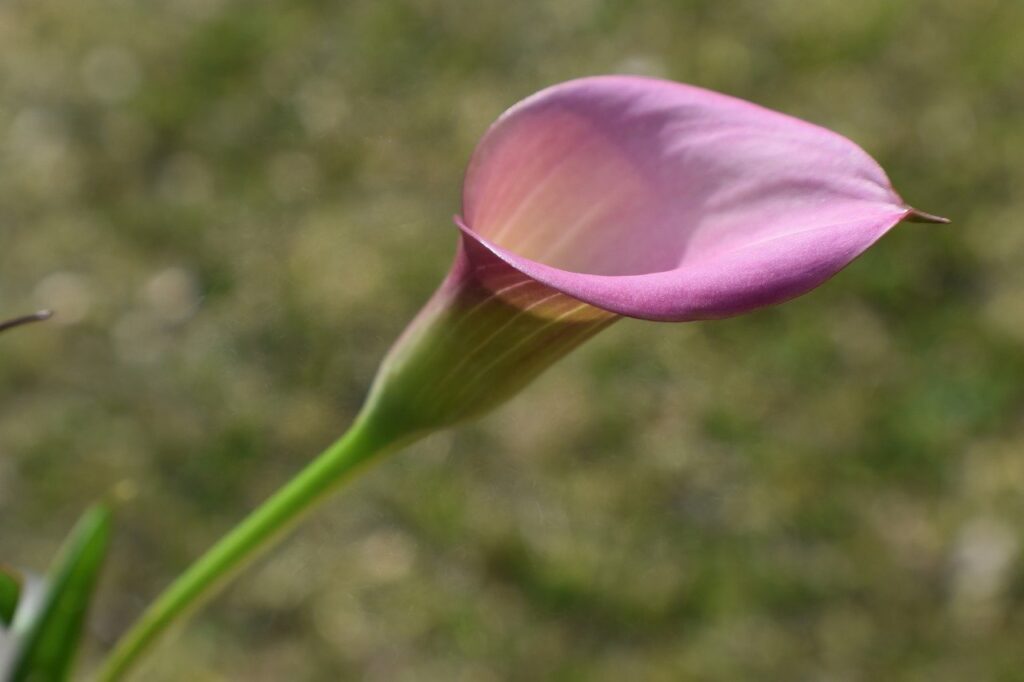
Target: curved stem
(256,533)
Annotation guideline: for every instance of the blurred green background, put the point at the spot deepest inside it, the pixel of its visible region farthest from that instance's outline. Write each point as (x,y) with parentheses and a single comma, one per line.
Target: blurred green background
(236,206)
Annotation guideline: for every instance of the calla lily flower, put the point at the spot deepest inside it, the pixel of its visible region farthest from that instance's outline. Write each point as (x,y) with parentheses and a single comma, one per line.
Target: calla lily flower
(590,201)
(621,196)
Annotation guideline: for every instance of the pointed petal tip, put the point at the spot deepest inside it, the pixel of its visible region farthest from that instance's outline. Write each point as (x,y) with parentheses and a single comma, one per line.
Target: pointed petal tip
(915,216)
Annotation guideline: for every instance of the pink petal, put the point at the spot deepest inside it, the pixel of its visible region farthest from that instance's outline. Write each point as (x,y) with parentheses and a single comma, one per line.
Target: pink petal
(664,201)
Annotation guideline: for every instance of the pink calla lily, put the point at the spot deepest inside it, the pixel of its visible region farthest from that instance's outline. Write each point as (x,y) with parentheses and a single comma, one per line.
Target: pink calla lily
(623,196)
(591,200)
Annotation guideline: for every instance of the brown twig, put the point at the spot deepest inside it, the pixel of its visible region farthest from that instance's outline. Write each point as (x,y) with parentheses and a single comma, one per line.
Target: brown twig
(26,319)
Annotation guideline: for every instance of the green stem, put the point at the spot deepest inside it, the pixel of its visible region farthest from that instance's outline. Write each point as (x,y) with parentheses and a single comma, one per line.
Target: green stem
(256,533)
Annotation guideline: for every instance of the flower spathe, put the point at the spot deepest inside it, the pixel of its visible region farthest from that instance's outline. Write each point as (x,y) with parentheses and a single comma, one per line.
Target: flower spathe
(624,196)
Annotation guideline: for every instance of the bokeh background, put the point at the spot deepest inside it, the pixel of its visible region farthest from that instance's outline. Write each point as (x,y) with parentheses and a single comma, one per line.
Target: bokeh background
(236,205)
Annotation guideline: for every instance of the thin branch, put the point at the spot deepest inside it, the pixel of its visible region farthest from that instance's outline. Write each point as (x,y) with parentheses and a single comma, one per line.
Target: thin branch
(26,319)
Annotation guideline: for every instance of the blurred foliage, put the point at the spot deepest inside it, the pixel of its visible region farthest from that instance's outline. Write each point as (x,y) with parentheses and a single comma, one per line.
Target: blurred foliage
(236,205)
(49,630)
(10,594)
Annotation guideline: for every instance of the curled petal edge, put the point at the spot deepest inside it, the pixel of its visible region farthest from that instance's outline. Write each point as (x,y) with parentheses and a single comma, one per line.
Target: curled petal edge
(756,275)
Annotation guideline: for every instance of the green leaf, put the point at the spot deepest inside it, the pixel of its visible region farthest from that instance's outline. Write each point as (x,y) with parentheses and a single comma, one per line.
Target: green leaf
(10,593)
(50,640)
